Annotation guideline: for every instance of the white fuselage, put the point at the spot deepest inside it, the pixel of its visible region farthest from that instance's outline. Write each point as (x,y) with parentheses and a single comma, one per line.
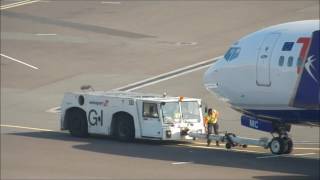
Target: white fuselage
(262,71)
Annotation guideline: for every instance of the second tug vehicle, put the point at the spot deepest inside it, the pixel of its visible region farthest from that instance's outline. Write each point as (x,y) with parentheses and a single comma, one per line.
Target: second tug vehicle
(128,116)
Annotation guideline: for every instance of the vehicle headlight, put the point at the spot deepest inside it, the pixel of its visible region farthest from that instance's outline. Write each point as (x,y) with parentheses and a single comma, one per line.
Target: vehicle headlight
(168,133)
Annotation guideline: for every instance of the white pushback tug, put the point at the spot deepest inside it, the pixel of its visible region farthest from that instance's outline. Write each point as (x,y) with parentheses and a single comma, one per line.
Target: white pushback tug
(128,115)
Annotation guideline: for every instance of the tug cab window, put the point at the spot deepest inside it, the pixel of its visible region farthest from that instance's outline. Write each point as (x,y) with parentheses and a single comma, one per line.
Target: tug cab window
(150,110)
(232,53)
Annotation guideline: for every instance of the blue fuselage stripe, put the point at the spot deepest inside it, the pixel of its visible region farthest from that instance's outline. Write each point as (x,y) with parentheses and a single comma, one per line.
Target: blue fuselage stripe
(289,116)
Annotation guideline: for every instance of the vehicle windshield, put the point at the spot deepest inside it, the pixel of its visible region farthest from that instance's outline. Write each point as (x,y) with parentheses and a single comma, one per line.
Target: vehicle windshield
(190,111)
(171,112)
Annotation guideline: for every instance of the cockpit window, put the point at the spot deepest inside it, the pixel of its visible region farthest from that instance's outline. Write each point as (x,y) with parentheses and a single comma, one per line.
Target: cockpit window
(281,61)
(290,61)
(287,46)
(232,53)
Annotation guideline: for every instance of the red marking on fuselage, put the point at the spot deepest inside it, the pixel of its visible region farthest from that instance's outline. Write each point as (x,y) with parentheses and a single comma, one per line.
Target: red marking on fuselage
(305,41)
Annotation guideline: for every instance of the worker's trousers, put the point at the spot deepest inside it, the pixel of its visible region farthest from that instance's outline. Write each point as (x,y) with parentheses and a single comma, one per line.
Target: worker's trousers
(212,128)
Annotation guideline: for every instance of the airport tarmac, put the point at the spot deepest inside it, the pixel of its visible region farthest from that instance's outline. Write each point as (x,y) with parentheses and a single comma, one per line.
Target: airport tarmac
(50,47)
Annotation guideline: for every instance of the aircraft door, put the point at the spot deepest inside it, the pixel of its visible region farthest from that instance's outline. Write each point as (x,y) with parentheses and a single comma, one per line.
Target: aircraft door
(150,121)
(264,58)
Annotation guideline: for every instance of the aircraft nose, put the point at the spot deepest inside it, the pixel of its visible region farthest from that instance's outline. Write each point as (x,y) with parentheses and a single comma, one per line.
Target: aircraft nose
(210,78)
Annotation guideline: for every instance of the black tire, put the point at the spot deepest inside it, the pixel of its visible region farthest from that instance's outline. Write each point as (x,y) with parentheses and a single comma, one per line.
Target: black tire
(125,129)
(228,145)
(289,144)
(78,125)
(277,145)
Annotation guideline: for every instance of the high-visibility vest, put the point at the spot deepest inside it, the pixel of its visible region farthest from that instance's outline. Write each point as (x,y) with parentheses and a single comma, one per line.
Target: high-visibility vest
(211,119)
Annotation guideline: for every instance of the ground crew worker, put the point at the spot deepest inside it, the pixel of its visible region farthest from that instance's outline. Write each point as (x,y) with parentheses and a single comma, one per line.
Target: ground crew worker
(211,123)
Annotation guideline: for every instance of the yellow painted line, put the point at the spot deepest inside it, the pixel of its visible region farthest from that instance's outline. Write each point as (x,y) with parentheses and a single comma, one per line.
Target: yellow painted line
(285,155)
(221,148)
(252,146)
(191,145)
(23,127)
(221,144)
(305,148)
(21,3)
(305,154)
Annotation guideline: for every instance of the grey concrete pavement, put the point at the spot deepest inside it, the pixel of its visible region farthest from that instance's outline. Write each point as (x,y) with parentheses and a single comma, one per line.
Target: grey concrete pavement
(109,45)
(60,156)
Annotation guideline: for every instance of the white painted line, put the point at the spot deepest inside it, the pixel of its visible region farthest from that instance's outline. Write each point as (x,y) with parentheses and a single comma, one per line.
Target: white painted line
(18,4)
(177,73)
(186,43)
(13,59)
(285,155)
(54,110)
(171,77)
(39,34)
(168,75)
(23,127)
(110,2)
(179,163)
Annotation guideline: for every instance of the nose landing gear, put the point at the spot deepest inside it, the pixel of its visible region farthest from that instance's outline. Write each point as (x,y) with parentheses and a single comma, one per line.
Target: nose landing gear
(282,144)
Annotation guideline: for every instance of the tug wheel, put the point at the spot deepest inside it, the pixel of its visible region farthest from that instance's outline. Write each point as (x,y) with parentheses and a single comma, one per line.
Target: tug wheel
(78,126)
(125,130)
(228,145)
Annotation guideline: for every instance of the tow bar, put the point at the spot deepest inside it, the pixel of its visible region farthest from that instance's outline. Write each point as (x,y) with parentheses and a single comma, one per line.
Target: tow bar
(232,140)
